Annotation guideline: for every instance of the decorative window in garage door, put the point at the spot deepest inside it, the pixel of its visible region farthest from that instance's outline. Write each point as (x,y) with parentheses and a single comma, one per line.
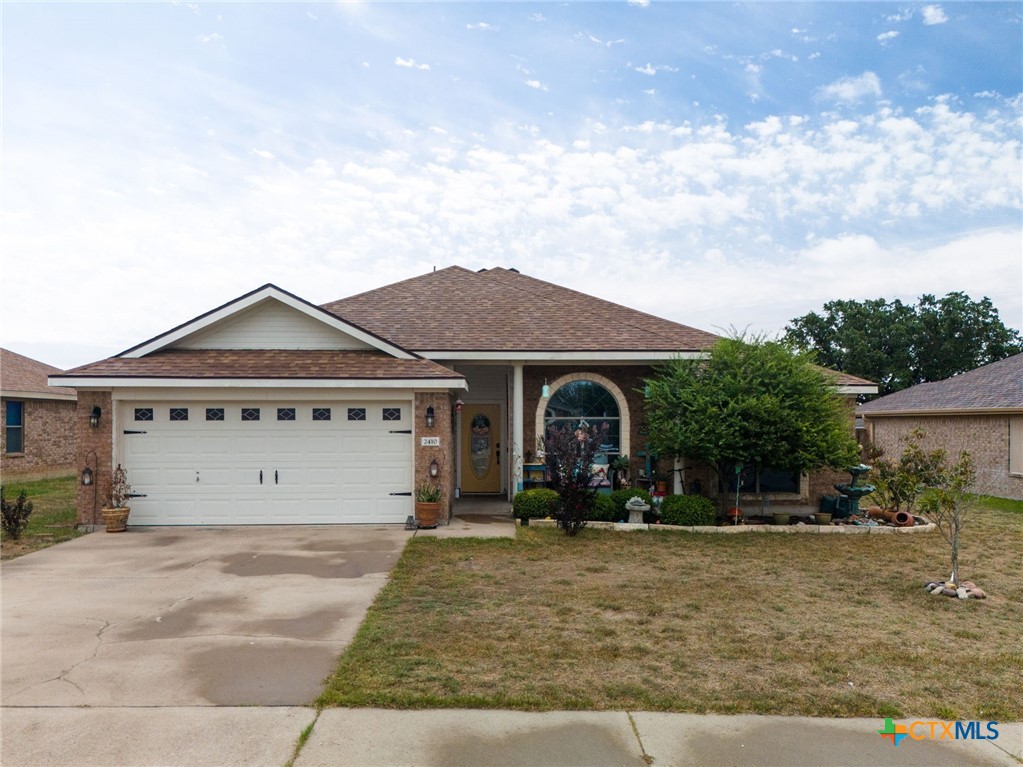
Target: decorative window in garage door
(179,413)
(356,414)
(214,414)
(250,413)
(285,414)
(143,414)
(392,413)
(321,413)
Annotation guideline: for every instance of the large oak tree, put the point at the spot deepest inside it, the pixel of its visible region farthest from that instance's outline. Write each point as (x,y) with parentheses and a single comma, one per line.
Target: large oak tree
(898,345)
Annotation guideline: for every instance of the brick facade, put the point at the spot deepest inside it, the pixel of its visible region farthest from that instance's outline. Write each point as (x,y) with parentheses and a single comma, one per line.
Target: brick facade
(986,437)
(49,440)
(94,449)
(629,379)
(443,427)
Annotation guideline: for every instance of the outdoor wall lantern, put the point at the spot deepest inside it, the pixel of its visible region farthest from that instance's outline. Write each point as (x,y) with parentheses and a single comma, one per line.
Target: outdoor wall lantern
(434,468)
(545,392)
(94,416)
(86,476)
(429,417)
(458,405)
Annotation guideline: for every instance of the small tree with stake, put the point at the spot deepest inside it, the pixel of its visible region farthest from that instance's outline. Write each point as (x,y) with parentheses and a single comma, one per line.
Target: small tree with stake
(569,457)
(949,502)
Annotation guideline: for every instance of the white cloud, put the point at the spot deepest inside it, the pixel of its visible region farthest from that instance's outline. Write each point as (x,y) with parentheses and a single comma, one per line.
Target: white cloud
(263,153)
(483,26)
(852,90)
(886,37)
(216,37)
(410,63)
(537,17)
(651,69)
(537,85)
(639,3)
(933,14)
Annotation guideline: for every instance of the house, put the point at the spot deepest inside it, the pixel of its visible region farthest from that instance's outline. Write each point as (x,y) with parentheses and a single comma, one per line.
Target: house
(269,409)
(38,436)
(980,412)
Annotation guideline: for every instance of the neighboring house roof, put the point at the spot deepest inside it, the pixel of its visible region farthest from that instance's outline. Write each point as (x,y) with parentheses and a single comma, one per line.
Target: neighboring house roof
(271,364)
(500,310)
(994,387)
(24,377)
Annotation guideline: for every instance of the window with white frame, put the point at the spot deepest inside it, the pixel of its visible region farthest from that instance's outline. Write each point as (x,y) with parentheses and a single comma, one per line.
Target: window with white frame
(1016,444)
(14,426)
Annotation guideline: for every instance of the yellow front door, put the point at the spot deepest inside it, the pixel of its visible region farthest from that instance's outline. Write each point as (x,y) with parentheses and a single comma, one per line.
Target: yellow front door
(481,449)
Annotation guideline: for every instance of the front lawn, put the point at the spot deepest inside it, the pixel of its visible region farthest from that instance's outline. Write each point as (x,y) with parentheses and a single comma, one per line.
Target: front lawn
(836,625)
(53,515)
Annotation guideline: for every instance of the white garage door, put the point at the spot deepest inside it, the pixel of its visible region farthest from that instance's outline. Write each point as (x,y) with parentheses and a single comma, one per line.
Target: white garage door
(283,463)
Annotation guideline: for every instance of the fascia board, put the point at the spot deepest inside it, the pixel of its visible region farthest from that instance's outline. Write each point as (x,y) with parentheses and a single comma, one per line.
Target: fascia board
(266,383)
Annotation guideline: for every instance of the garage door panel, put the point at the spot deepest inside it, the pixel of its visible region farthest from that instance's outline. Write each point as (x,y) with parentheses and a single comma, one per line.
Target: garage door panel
(326,471)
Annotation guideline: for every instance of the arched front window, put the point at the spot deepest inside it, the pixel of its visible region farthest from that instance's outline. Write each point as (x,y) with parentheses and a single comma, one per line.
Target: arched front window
(579,401)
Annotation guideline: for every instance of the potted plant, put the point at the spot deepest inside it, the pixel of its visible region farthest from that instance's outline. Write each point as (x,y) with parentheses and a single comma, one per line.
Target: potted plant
(621,468)
(660,481)
(116,515)
(428,497)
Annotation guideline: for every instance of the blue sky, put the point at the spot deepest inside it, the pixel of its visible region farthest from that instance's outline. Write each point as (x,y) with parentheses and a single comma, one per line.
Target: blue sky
(718,164)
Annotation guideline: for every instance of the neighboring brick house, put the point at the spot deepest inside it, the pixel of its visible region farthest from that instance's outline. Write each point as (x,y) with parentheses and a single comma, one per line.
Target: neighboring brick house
(980,412)
(38,436)
(269,409)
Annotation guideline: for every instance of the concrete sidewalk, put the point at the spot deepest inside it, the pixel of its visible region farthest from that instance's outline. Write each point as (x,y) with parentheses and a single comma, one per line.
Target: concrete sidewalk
(266,737)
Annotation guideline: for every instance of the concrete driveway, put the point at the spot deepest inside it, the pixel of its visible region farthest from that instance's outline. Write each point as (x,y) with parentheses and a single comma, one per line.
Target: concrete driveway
(233,616)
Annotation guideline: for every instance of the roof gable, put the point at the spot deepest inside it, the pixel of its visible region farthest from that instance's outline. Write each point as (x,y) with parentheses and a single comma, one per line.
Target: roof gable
(998,386)
(500,310)
(268,318)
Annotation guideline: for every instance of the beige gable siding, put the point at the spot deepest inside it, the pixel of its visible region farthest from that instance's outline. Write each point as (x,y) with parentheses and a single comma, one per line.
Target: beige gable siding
(1016,445)
(271,325)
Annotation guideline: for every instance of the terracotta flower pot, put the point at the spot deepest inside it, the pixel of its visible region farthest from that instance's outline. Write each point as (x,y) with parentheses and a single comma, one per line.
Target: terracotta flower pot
(116,520)
(427,514)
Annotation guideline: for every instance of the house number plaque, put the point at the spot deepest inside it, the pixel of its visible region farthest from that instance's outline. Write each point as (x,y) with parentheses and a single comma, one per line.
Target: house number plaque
(429,441)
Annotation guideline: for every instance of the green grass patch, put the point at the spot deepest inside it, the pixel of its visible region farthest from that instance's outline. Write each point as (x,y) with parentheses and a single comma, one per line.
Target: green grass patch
(53,515)
(796,625)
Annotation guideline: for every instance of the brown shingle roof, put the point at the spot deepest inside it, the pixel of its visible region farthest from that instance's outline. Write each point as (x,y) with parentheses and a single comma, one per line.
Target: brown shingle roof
(265,364)
(455,309)
(996,386)
(19,373)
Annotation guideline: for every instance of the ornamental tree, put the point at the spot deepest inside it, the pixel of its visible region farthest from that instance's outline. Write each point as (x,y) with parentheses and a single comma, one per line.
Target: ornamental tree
(569,455)
(751,403)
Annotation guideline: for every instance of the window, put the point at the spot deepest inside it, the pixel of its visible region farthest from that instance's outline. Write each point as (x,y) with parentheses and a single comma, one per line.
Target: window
(214,414)
(356,414)
(285,414)
(321,413)
(587,403)
(179,413)
(14,426)
(250,413)
(767,481)
(143,414)
(392,413)
(1015,444)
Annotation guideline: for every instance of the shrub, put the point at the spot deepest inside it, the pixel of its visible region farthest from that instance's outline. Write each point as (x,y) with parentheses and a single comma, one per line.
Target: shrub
(569,454)
(604,509)
(687,510)
(537,503)
(14,515)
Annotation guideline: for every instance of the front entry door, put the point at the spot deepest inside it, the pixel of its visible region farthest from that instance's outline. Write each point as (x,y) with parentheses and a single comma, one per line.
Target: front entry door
(481,449)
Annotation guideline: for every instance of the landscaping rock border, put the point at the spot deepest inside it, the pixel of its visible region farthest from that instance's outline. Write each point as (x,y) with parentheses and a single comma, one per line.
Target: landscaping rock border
(743,529)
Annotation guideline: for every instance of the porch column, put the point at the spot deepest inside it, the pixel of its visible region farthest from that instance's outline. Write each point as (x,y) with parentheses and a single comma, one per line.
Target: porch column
(517,427)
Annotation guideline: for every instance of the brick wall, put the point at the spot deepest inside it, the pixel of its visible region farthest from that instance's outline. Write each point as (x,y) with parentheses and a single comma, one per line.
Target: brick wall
(442,404)
(94,449)
(986,437)
(49,440)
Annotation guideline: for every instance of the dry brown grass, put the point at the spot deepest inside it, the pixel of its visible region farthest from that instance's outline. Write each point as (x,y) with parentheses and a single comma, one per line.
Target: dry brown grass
(779,624)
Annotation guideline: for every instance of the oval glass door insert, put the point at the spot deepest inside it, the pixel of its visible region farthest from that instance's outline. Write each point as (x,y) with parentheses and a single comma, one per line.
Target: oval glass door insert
(479,445)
